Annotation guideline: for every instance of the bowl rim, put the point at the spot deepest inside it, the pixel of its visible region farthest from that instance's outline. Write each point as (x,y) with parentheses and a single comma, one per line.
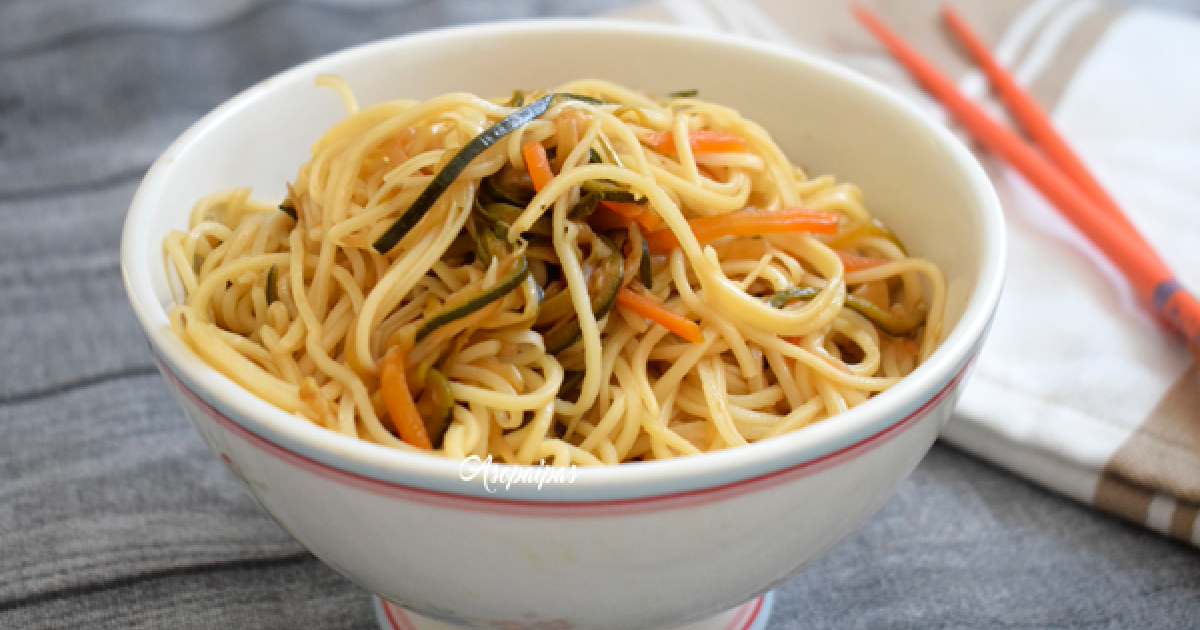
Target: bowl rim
(941,371)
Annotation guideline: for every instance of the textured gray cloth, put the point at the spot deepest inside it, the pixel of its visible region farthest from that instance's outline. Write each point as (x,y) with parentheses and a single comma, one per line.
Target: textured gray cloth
(113,514)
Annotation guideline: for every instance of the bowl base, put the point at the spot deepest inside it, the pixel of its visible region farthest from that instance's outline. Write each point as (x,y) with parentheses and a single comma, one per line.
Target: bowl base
(749,616)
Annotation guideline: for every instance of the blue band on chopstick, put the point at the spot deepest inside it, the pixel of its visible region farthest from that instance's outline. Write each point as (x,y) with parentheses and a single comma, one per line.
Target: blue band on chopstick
(1163,292)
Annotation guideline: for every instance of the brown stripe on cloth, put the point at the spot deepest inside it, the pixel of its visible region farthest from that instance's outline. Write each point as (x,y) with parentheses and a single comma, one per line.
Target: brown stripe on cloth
(1162,456)
(1047,87)
(1117,495)
(1183,521)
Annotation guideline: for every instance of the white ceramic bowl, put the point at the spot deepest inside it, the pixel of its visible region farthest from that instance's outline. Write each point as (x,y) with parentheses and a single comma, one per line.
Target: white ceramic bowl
(633,546)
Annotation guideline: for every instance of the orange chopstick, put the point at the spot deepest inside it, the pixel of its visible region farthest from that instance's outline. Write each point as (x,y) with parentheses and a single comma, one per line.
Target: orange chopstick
(1032,117)
(1123,243)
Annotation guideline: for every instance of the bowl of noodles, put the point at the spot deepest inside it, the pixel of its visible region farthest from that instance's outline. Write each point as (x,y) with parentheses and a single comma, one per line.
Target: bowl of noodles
(566,324)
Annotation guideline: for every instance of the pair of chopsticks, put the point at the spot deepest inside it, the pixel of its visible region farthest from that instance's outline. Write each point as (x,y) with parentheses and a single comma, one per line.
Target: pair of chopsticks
(1053,168)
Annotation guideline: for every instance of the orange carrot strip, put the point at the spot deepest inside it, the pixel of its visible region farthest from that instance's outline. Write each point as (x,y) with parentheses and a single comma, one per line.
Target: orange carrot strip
(662,240)
(659,314)
(604,220)
(399,402)
(537,163)
(854,262)
(635,212)
(661,141)
(708,172)
(749,223)
(701,141)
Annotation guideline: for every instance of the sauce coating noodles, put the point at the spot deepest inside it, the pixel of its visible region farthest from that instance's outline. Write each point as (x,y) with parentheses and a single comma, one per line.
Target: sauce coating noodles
(619,278)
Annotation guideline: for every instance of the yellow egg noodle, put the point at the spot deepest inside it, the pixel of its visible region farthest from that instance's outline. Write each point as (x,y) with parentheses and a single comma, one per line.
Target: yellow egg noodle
(303,311)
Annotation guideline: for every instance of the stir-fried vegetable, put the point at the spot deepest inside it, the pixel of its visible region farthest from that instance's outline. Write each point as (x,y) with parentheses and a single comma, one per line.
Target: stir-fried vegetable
(459,162)
(605,220)
(874,227)
(571,381)
(489,243)
(646,270)
(538,164)
(602,286)
(854,262)
(398,400)
(500,216)
(508,185)
(659,314)
(645,217)
(272,290)
(436,406)
(586,205)
(749,223)
(700,140)
(610,191)
(622,201)
(471,303)
(894,324)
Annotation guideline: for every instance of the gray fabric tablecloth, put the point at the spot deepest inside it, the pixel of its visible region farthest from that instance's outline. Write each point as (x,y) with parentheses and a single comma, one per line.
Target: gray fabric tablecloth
(113,514)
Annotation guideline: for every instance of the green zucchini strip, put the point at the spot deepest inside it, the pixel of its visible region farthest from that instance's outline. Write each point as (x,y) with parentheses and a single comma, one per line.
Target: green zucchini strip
(585,206)
(459,162)
(555,308)
(571,380)
(610,191)
(502,288)
(272,289)
(603,286)
(646,269)
(886,320)
(490,190)
(437,403)
(590,100)
(780,298)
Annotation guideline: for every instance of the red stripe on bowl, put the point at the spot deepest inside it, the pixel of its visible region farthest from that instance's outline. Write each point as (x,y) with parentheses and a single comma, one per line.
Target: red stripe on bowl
(746,615)
(495,504)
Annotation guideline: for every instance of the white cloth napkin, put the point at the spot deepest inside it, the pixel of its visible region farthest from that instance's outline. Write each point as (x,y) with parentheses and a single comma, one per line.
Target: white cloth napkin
(1076,375)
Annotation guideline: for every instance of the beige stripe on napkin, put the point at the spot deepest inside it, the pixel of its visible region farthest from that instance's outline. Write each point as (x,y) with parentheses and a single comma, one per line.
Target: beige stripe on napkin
(1048,86)
(1164,453)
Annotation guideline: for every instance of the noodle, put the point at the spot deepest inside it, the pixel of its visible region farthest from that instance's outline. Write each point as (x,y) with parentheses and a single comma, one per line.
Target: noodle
(587,318)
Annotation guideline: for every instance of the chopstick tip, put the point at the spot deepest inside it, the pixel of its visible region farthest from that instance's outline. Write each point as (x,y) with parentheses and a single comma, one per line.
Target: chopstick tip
(958,23)
(866,16)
